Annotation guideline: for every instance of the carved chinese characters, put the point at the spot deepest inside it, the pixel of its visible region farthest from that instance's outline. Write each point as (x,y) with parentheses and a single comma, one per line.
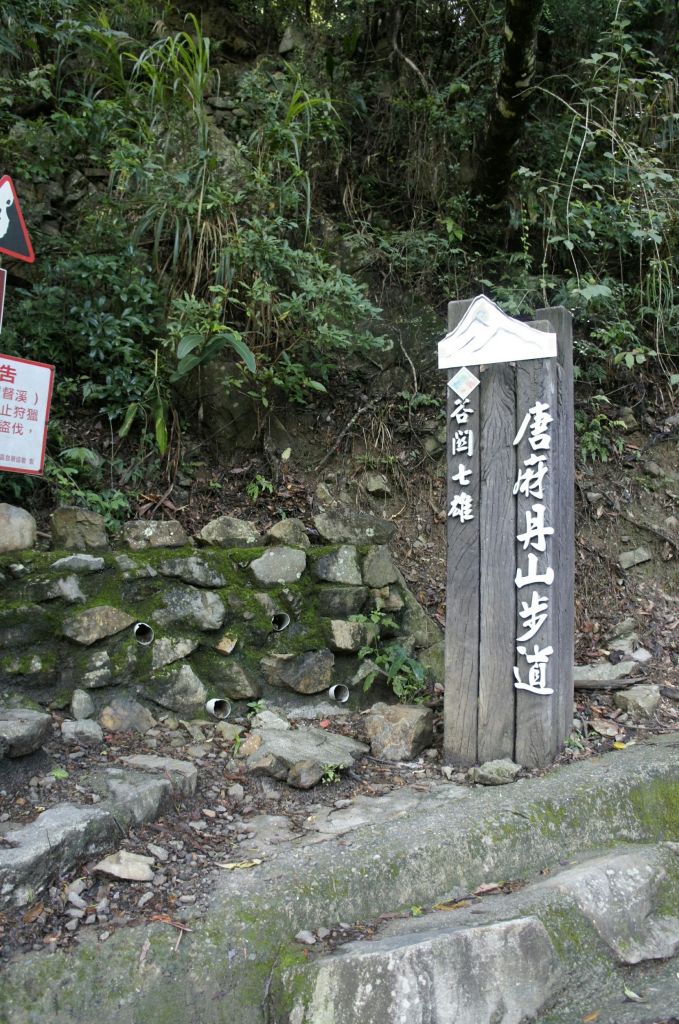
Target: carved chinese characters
(462,444)
(534,438)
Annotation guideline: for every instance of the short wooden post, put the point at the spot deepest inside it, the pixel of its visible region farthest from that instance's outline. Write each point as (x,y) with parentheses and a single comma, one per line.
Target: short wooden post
(509,613)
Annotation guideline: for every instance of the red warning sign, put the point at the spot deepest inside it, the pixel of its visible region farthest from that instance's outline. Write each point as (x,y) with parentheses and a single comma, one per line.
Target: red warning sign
(14,239)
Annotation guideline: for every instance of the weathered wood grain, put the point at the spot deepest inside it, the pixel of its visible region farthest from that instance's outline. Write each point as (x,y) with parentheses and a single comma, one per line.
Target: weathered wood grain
(462,602)
(561,321)
(497,590)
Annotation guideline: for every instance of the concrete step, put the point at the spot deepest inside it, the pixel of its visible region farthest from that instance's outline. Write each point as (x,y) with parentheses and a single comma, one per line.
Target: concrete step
(554,949)
(32,856)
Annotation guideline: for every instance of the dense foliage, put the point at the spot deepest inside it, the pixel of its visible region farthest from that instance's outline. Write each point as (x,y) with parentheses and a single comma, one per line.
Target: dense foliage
(197,197)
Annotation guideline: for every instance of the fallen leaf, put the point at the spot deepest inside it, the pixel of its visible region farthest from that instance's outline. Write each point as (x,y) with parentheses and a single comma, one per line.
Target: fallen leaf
(591,1017)
(233,865)
(632,996)
(452,905)
(618,745)
(35,911)
(603,727)
(487,888)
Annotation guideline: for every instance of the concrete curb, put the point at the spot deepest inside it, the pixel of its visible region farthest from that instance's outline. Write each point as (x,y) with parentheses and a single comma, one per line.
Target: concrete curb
(223,971)
(65,835)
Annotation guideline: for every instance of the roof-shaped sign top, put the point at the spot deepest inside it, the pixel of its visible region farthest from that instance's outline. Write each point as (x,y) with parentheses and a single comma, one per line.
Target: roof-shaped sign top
(487,335)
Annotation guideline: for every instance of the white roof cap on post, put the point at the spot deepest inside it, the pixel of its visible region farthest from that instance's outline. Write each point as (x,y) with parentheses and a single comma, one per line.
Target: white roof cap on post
(487,335)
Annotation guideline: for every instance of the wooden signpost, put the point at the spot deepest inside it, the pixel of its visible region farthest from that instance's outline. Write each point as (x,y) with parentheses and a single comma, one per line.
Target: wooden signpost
(509,619)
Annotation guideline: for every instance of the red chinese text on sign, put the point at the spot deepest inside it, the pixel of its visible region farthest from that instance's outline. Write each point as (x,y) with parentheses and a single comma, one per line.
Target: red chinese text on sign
(25,396)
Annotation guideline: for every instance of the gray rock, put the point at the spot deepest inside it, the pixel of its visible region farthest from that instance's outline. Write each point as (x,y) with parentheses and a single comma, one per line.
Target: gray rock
(268,763)
(339,602)
(228,732)
(348,637)
(279,565)
(307,743)
(399,732)
(602,675)
(200,608)
(288,531)
(415,622)
(440,976)
(141,534)
(181,691)
(66,588)
(434,661)
(77,529)
(495,773)
(617,893)
(642,656)
(339,566)
(126,715)
(304,774)
(303,673)
(237,683)
(227,532)
(182,774)
(94,624)
(292,39)
(387,599)
(192,570)
(82,705)
(377,485)
(346,526)
(628,559)
(628,418)
(131,867)
(18,529)
(378,567)
(269,720)
(97,672)
(307,937)
(639,701)
(83,732)
(79,563)
(167,650)
(23,730)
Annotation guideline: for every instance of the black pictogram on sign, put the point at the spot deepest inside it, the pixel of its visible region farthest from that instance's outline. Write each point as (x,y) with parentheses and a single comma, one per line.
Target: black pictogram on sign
(14,240)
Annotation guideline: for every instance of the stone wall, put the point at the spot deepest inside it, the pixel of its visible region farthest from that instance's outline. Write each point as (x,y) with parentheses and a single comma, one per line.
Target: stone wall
(231,613)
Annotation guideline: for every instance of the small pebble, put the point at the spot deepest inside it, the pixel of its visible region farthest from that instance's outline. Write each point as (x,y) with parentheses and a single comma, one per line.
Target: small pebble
(144,899)
(308,938)
(103,936)
(187,899)
(322,933)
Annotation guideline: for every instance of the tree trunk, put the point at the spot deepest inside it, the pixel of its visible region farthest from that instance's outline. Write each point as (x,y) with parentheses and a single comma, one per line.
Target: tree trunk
(512,99)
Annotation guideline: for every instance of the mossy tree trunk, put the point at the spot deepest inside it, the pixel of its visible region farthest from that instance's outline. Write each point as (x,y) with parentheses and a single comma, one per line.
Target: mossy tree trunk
(512,99)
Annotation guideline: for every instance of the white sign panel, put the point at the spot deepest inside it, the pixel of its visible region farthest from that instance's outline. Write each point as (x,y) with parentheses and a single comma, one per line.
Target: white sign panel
(486,335)
(25,396)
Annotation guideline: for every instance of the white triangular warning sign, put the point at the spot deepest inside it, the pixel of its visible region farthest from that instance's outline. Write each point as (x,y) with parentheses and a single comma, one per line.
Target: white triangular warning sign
(14,239)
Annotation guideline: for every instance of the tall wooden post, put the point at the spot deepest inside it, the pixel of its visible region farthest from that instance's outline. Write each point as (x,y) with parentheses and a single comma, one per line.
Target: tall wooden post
(509,613)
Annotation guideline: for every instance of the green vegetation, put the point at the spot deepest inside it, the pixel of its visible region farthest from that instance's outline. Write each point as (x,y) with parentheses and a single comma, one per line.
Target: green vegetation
(214,217)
